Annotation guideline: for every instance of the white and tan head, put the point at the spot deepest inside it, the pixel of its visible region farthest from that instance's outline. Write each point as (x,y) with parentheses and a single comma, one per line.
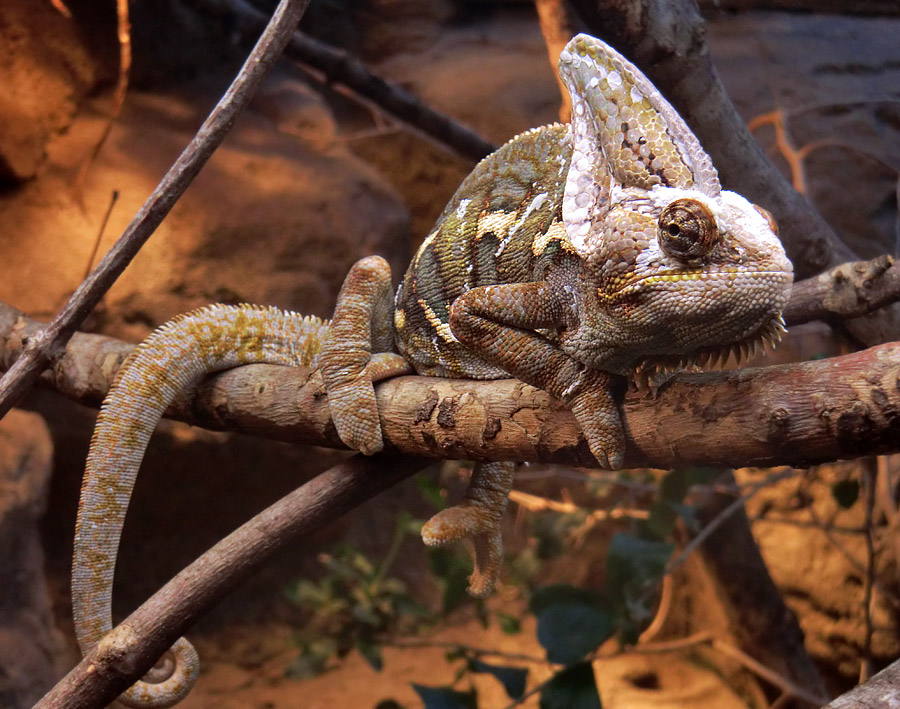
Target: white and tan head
(678,268)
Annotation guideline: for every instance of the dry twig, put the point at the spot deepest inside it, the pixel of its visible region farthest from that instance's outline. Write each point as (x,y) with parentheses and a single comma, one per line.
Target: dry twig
(342,68)
(49,345)
(135,644)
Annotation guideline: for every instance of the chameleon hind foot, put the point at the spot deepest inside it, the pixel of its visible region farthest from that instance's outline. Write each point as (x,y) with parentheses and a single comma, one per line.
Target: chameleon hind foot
(361,325)
(477,518)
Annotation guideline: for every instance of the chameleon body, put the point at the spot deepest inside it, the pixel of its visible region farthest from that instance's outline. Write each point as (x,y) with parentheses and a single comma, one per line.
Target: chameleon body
(574,256)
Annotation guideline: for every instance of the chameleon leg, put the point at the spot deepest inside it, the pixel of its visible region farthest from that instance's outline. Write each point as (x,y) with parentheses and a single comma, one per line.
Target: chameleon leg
(477,517)
(361,320)
(498,321)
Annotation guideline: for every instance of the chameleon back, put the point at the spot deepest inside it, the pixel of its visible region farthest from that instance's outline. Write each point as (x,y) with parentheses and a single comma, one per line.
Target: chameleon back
(499,227)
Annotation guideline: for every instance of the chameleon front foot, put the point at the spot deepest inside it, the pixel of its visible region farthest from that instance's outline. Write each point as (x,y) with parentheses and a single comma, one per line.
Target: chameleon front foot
(478,518)
(594,406)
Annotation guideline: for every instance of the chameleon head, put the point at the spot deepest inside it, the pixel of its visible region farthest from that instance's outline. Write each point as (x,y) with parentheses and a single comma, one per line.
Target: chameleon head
(686,276)
(675,266)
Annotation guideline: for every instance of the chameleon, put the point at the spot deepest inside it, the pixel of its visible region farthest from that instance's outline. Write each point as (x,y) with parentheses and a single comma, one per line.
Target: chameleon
(574,258)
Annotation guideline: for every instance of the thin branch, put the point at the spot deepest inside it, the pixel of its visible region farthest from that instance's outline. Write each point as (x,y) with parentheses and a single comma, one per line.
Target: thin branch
(847,291)
(774,678)
(49,345)
(869,482)
(124,35)
(758,619)
(342,68)
(135,644)
(90,262)
(886,593)
(710,528)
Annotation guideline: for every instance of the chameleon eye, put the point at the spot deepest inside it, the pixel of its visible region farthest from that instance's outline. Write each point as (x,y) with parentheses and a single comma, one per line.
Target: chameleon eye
(687,229)
(767,215)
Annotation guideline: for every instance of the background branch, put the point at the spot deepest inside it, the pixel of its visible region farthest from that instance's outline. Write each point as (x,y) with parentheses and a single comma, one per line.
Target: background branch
(340,67)
(48,346)
(135,644)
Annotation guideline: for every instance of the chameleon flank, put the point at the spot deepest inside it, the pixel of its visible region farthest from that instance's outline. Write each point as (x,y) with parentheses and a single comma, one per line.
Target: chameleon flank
(573,257)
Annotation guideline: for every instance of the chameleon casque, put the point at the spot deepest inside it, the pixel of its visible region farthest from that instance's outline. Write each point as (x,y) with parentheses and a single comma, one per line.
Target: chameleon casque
(573,256)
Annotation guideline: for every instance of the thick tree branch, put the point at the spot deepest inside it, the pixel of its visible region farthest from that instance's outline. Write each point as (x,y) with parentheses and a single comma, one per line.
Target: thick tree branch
(795,414)
(49,345)
(134,645)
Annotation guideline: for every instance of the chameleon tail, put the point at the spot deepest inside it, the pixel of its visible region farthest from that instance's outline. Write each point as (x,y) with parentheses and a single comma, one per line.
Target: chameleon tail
(173,359)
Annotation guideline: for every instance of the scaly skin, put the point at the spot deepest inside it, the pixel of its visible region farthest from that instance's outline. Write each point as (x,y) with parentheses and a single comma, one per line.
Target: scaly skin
(571,258)
(174,359)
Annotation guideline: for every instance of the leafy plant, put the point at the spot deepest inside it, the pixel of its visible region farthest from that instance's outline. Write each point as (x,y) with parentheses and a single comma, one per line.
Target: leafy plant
(353,605)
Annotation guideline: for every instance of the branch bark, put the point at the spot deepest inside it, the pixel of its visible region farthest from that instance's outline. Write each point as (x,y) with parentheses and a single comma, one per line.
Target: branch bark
(795,414)
(46,347)
(135,644)
(880,692)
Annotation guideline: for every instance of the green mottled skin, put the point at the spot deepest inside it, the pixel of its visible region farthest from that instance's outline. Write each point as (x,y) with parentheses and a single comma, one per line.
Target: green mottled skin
(467,249)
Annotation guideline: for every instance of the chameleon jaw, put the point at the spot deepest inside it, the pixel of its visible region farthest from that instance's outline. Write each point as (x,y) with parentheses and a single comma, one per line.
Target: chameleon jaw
(769,335)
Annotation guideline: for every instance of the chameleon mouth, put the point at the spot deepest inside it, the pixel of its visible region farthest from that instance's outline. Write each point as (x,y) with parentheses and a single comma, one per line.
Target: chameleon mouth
(770,334)
(698,275)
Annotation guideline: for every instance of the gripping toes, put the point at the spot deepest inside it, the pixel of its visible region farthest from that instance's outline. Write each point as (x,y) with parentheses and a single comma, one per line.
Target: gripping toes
(348,366)
(477,518)
(597,412)
(351,398)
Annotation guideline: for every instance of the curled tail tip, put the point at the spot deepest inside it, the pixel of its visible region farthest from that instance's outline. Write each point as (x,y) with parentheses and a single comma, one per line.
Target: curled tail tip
(167,685)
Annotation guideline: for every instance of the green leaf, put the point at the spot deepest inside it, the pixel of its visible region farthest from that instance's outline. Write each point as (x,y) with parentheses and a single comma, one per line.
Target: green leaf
(572,688)
(445,697)
(513,679)
(547,596)
(371,651)
(631,561)
(569,631)
(845,492)
(509,624)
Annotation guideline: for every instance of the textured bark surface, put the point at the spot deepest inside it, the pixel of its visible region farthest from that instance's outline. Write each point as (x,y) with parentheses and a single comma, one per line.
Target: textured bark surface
(794,414)
(880,692)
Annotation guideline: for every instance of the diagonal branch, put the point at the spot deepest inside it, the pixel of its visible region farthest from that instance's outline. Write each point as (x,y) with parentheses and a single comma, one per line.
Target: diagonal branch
(49,345)
(134,645)
(340,67)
